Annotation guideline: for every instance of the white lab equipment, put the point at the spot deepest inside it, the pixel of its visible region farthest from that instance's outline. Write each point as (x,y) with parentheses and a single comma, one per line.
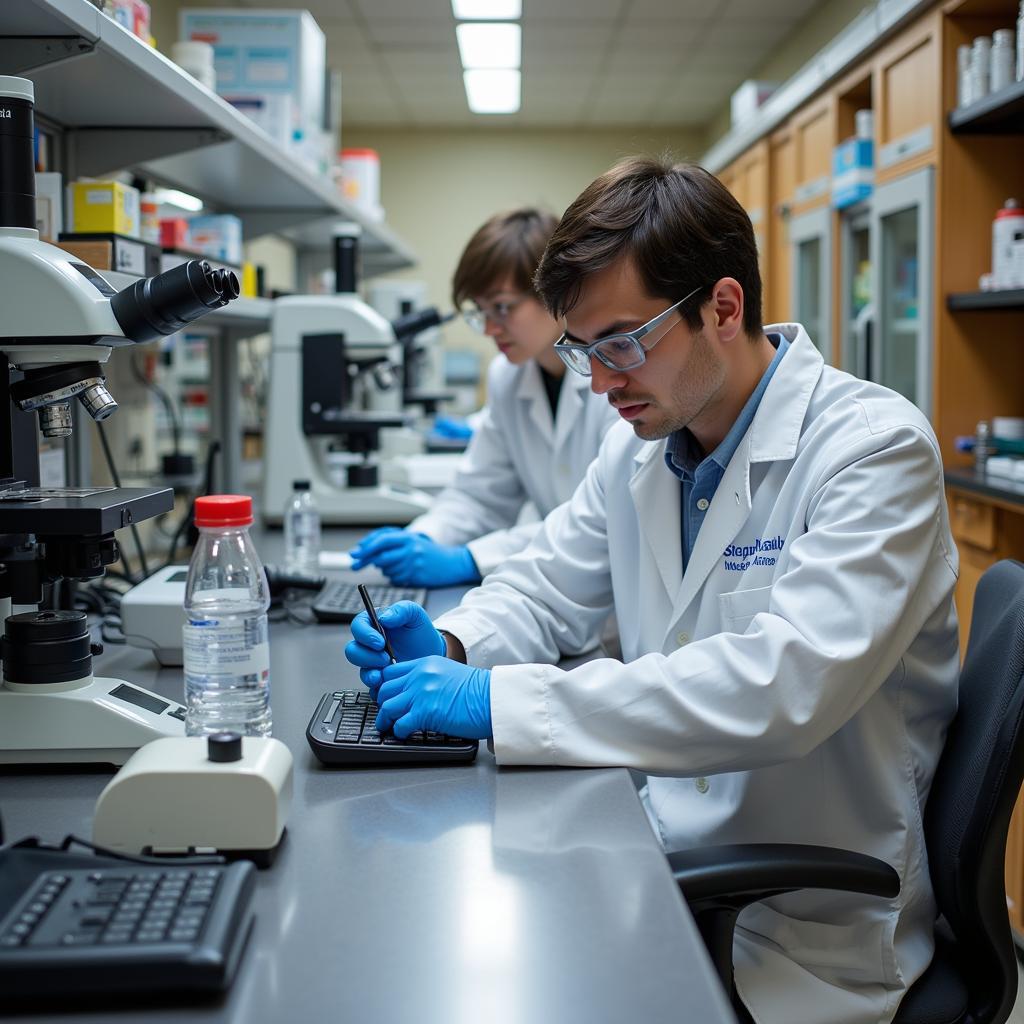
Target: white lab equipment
(1008,223)
(223,793)
(770,692)
(152,613)
(334,395)
(61,322)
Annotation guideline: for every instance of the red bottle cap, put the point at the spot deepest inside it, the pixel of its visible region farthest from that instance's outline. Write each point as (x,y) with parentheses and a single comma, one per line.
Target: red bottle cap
(224,510)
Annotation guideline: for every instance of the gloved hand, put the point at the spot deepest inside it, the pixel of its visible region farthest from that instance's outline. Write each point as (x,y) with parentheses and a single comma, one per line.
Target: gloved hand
(437,695)
(449,426)
(410,631)
(413,559)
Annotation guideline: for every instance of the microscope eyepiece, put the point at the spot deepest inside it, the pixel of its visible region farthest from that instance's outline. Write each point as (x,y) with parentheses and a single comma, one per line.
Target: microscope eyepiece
(164,304)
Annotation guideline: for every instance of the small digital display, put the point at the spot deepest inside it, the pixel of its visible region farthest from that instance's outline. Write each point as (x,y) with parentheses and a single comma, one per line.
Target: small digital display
(179,577)
(146,701)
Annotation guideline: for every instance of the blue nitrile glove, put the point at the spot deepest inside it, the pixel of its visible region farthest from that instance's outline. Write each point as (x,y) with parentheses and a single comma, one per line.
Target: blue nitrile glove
(435,695)
(448,426)
(414,560)
(410,631)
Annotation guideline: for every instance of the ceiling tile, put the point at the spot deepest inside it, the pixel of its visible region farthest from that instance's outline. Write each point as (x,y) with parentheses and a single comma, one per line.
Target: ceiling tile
(411,32)
(747,35)
(421,63)
(392,10)
(571,10)
(787,10)
(669,10)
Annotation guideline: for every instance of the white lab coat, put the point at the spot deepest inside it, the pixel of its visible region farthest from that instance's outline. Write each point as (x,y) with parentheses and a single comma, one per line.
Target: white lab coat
(794,686)
(518,453)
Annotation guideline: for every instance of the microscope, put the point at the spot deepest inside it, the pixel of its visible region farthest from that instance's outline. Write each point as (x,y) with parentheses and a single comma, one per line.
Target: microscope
(335,388)
(61,321)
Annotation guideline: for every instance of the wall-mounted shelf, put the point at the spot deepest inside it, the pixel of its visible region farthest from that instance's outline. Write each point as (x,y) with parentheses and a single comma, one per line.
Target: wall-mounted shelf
(1005,298)
(119,104)
(1001,113)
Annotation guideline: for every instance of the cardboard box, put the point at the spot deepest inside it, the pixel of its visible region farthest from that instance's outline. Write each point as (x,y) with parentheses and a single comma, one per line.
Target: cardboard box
(49,205)
(262,53)
(853,172)
(173,233)
(113,252)
(104,207)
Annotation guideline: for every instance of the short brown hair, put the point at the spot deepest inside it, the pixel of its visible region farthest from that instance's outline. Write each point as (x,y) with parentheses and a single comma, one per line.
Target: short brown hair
(507,245)
(679,224)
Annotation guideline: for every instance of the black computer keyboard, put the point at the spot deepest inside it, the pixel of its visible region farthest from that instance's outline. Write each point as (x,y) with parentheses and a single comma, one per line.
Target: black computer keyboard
(134,929)
(343,731)
(340,601)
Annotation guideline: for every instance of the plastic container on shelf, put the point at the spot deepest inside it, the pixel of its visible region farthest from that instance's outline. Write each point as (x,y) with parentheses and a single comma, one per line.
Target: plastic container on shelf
(1008,223)
(196,57)
(149,218)
(981,53)
(963,75)
(302,531)
(224,639)
(1002,59)
(1020,42)
(360,177)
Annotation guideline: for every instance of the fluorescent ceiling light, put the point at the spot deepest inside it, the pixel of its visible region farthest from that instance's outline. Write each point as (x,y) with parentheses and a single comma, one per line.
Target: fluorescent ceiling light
(487,10)
(172,197)
(489,45)
(492,91)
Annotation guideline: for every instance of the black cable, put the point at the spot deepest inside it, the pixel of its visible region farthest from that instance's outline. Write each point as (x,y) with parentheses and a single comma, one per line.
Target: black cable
(117,483)
(168,403)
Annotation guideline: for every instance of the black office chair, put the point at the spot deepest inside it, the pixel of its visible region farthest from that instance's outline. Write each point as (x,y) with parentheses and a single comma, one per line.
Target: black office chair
(972,978)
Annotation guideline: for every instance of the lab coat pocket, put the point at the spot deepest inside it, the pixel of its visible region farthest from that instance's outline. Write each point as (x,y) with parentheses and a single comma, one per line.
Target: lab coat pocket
(740,606)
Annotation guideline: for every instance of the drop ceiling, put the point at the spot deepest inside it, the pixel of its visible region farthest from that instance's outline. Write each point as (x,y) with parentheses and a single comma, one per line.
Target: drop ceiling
(586,63)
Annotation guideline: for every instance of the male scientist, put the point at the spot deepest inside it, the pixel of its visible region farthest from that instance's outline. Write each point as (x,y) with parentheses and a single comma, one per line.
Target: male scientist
(773,537)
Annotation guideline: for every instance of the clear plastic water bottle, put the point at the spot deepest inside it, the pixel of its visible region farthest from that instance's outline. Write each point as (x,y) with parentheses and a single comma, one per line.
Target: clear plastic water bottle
(224,639)
(302,531)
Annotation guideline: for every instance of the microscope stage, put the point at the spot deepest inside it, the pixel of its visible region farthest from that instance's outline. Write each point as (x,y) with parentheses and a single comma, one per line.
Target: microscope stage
(88,510)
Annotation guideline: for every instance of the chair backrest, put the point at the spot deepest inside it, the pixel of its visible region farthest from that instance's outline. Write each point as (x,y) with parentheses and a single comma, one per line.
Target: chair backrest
(974,792)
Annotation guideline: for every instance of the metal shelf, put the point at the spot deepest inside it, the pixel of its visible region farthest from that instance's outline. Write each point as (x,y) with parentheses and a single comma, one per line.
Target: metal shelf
(1004,298)
(1001,113)
(121,104)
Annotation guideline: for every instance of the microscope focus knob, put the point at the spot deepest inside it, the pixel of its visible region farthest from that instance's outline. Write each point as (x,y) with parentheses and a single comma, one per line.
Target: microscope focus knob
(224,747)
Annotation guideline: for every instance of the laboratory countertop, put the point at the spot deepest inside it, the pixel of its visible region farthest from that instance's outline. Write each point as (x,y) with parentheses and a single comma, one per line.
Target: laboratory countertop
(986,484)
(447,894)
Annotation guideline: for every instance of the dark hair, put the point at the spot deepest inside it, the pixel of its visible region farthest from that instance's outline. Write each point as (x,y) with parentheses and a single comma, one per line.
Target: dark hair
(677,222)
(507,245)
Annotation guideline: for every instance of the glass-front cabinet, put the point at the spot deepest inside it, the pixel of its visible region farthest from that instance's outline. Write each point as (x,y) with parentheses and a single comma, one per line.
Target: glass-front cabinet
(901,245)
(856,309)
(810,236)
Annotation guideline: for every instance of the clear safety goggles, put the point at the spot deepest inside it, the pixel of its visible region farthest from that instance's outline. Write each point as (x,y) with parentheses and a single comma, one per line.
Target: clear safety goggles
(621,351)
(497,312)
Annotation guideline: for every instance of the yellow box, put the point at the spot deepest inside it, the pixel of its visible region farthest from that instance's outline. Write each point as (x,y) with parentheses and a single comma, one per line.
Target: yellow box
(103,206)
(248,283)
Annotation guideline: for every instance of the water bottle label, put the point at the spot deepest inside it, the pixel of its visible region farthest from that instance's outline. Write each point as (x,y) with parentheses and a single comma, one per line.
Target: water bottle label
(240,649)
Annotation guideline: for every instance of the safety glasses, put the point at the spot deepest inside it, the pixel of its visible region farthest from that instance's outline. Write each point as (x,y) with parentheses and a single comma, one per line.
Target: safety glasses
(622,351)
(496,312)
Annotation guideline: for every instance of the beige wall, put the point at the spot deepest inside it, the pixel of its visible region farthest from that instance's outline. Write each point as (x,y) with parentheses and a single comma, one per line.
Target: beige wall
(820,28)
(439,186)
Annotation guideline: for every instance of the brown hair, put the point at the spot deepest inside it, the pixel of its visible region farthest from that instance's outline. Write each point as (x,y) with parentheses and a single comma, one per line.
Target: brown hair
(507,245)
(677,222)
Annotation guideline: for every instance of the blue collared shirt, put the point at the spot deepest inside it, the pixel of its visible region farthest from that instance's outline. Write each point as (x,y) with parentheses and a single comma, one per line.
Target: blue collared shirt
(700,477)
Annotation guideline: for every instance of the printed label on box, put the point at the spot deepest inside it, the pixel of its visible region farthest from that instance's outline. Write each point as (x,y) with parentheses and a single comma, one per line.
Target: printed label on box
(99,198)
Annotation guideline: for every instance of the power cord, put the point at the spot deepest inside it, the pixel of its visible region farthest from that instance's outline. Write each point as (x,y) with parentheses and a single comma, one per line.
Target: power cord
(165,399)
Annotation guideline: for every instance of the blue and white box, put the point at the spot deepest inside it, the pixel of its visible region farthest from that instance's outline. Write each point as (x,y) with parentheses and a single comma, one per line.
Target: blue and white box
(276,57)
(853,172)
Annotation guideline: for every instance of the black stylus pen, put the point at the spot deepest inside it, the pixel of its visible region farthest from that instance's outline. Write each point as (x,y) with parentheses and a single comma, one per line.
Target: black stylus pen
(374,621)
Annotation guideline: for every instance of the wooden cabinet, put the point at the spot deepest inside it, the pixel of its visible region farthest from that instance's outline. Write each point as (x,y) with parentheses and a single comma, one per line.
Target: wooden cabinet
(781,188)
(814,139)
(908,99)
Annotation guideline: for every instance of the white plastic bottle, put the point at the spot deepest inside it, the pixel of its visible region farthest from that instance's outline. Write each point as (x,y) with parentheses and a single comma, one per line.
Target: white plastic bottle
(1002,59)
(302,530)
(1020,42)
(224,639)
(1009,221)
